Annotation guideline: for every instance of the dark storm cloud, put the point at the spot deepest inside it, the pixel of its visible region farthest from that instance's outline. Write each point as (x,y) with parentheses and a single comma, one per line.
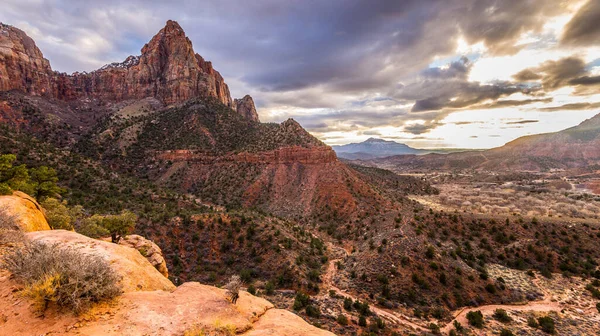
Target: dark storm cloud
(449,88)
(583,29)
(418,129)
(275,45)
(568,71)
(309,54)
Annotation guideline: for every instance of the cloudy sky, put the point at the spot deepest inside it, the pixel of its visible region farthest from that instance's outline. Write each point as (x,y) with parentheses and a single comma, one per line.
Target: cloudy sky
(429,73)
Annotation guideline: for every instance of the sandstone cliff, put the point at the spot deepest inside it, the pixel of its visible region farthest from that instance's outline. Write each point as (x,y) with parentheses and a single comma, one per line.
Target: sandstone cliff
(167,69)
(245,107)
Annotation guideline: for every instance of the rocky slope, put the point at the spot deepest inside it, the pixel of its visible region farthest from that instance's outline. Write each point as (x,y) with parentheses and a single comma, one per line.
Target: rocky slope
(575,147)
(150,304)
(167,69)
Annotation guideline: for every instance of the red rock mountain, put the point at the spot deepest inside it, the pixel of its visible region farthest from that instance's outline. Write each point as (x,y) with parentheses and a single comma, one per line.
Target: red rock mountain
(573,148)
(167,69)
(202,142)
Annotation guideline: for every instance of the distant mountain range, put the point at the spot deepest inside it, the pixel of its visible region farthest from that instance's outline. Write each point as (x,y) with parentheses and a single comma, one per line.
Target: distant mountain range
(573,148)
(378,148)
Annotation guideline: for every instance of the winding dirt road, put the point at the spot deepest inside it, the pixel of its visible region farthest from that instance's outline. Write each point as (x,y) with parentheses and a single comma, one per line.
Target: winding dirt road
(391,316)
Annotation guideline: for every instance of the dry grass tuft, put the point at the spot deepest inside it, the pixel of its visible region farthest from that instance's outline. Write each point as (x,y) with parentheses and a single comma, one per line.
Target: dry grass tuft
(54,274)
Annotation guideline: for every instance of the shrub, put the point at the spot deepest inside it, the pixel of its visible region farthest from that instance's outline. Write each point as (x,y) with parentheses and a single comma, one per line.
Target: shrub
(532,322)
(362,321)
(38,182)
(502,316)
(458,326)
(233,288)
(475,318)
(312,311)
(546,324)
(115,225)
(10,232)
(342,320)
(435,329)
(58,214)
(301,301)
(506,332)
(598,306)
(252,290)
(67,277)
(348,304)
(269,288)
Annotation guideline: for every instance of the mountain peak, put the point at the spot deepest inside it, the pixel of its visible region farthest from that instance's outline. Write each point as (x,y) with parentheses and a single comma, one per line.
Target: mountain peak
(168,69)
(371,140)
(171,24)
(245,106)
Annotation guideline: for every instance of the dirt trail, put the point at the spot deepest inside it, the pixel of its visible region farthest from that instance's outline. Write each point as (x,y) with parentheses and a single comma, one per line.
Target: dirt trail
(390,316)
(461,316)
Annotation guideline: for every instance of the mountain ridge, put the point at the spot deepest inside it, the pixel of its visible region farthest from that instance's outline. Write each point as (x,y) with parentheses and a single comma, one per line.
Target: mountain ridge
(167,69)
(576,147)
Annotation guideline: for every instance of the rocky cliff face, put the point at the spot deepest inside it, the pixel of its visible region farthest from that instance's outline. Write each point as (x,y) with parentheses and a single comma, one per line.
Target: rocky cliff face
(167,69)
(22,65)
(245,107)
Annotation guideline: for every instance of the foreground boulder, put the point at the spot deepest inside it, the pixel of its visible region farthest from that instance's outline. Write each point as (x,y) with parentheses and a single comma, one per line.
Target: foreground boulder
(149,250)
(28,212)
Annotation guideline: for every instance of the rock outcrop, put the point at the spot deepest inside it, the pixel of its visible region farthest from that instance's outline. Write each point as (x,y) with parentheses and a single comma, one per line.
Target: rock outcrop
(149,250)
(138,274)
(28,212)
(245,107)
(167,69)
(157,308)
(22,65)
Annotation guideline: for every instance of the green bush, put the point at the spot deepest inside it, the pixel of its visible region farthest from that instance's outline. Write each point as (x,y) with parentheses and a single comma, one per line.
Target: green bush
(546,324)
(532,322)
(506,332)
(475,318)
(348,304)
(66,277)
(59,215)
(502,316)
(269,288)
(342,320)
(38,182)
(115,225)
(312,311)
(301,301)
(362,321)
(252,289)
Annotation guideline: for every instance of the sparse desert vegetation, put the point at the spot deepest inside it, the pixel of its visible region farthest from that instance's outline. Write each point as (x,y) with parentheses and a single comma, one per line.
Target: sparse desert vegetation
(516,198)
